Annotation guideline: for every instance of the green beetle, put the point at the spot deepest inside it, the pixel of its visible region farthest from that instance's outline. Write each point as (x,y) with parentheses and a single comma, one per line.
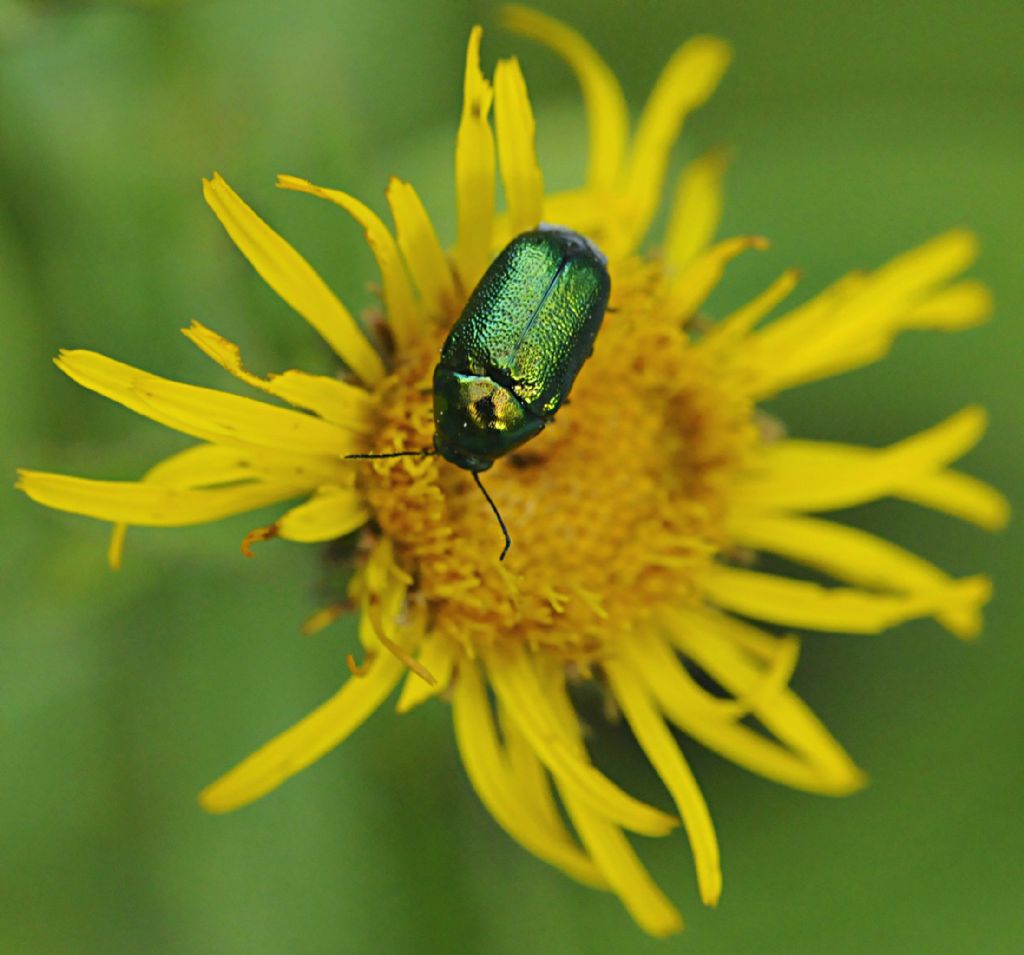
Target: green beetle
(510,360)
(513,355)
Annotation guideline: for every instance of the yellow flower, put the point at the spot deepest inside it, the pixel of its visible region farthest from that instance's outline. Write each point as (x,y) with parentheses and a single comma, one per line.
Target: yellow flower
(636,519)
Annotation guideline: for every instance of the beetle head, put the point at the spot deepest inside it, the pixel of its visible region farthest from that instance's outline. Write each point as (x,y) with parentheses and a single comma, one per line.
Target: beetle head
(476,420)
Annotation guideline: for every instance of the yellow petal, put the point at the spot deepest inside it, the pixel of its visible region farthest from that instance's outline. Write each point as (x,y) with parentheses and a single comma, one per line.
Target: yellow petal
(533,785)
(957,307)
(779,656)
(203,465)
(291,276)
(618,863)
(929,264)
(517,688)
(593,214)
(381,624)
(686,82)
(404,317)
(501,791)
(865,350)
(696,209)
(474,171)
(605,841)
(516,131)
(136,502)
(332,512)
(666,757)
(798,603)
(851,555)
(421,249)
(336,401)
(208,465)
(381,574)
(437,655)
(859,327)
(309,739)
(682,702)
(817,475)
(789,332)
(115,549)
(734,327)
(811,758)
(958,494)
(387,621)
(691,287)
(607,113)
(204,412)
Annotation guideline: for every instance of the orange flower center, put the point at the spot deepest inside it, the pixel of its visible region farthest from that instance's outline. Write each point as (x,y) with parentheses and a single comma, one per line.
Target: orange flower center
(613,509)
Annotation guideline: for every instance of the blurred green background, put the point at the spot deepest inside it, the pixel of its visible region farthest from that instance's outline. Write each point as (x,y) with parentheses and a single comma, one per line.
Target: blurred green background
(858,130)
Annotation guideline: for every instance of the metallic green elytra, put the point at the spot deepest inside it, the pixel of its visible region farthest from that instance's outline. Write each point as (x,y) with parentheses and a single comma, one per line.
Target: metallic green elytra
(513,355)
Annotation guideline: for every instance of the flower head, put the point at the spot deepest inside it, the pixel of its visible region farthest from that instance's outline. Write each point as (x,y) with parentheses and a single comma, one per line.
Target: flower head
(637,516)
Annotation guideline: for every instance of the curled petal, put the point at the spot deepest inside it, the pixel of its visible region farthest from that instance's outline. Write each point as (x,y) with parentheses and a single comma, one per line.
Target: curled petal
(607,113)
(605,842)
(720,646)
(517,688)
(333,400)
(534,782)
(803,755)
(501,788)
(686,82)
(404,317)
(291,276)
(618,863)
(779,658)
(437,656)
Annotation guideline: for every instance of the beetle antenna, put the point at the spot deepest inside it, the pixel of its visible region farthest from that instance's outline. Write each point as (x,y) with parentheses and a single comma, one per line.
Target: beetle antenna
(424,453)
(494,507)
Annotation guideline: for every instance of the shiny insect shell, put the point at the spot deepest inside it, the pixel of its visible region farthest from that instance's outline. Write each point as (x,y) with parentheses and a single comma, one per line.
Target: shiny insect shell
(510,360)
